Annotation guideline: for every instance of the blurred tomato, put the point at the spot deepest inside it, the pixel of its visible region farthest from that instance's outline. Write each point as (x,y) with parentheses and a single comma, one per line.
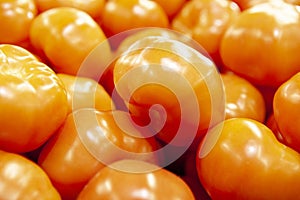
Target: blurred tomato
(245,4)
(242,98)
(33,100)
(171,7)
(66,36)
(206,21)
(286,111)
(83,145)
(93,7)
(20,178)
(122,15)
(242,159)
(131,182)
(85,93)
(166,91)
(15,19)
(262,44)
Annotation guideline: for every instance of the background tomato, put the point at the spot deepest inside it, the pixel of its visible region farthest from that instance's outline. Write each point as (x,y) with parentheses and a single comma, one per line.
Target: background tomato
(122,15)
(92,7)
(79,150)
(66,36)
(262,44)
(23,179)
(286,111)
(242,99)
(15,19)
(242,159)
(33,100)
(171,7)
(85,93)
(135,184)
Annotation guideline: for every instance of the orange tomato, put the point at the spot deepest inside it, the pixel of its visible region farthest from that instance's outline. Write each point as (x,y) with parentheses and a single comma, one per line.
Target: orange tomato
(83,145)
(262,43)
(16,17)
(33,100)
(242,159)
(85,93)
(159,75)
(122,15)
(92,7)
(206,21)
(286,106)
(131,182)
(23,179)
(242,99)
(66,36)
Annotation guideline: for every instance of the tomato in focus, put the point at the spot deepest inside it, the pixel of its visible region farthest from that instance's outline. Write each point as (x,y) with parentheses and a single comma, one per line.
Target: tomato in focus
(33,100)
(242,159)
(24,179)
(135,180)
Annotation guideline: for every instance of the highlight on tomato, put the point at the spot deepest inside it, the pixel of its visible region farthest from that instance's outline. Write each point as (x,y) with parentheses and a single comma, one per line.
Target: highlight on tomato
(33,100)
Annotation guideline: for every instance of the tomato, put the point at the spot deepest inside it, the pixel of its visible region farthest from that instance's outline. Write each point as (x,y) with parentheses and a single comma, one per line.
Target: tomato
(242,159)
(83,145)
(171,7)
(166,84)
(85,93)
(272,124)
(23,179)
(32,98)
(206,21)
(122,15)
(133,183)
(286,107)
(15,19)
(262,44)
(92,7)
(242,98)
(66,36)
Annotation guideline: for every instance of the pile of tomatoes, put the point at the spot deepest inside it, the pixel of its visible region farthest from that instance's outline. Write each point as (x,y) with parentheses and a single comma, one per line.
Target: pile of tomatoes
(149,99)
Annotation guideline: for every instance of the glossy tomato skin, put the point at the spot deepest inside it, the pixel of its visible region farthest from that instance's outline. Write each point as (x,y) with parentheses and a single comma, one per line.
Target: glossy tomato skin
(85,93)
(122,15)
(262,44)
(15,19)
(24,179)
(242,159)
(92,7)
(242,99)
(33,100)
(111,183)
(65,43)
(78,163)
(286,107)
(206,21)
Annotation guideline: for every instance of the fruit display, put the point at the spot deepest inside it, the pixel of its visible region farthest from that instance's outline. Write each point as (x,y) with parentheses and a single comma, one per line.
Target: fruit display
(149,99)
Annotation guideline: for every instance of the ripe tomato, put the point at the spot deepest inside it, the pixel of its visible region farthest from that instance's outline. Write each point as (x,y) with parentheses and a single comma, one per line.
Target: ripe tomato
(32,98)
(15,19)
(122,15)
(206,21)
(174,78)
(272,124)
(65,36)
(85,93)
(242,99)
(242,159)
(23,179)
(286,107)
(133,183)
(83,145)
(262,44)
(92,7)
